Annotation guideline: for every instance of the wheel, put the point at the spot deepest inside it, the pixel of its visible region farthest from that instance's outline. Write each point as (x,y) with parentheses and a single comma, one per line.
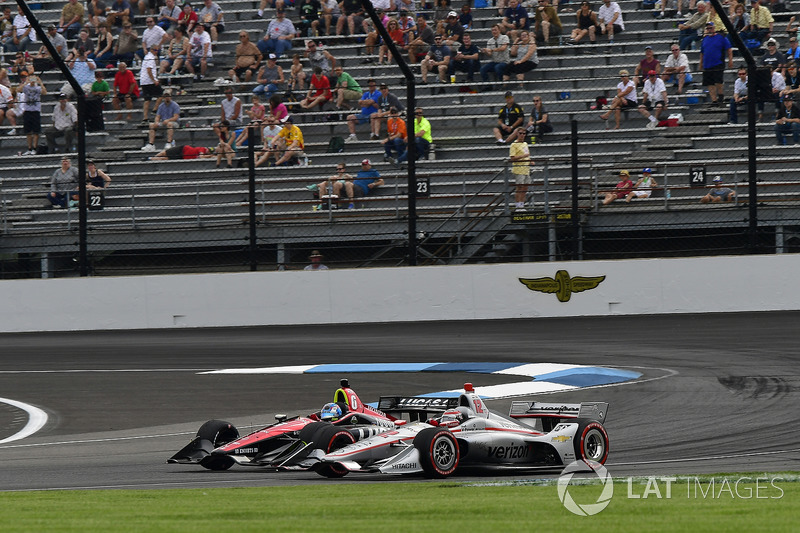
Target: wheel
(438,451)
(309,430)
(591,441)
(218,432)
(217,462)
(328,439)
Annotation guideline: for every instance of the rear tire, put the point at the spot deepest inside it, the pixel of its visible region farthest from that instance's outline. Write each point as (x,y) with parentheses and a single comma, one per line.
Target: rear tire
(328,439)
(438,452)
(218,432)
(591,441)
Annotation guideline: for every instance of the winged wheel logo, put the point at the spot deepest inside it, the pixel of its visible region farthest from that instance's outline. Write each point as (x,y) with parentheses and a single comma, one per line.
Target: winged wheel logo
(562,285)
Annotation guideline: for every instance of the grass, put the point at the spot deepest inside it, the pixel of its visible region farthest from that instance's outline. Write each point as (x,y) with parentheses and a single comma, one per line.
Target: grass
(411,507)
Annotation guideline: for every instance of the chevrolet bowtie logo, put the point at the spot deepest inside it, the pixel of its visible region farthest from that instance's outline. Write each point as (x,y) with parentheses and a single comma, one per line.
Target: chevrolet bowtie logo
(561,438)
(562,285)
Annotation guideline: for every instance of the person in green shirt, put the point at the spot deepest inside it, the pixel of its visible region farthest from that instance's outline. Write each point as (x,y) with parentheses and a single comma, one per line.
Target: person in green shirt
(100,88)
(422,136)
(347,89)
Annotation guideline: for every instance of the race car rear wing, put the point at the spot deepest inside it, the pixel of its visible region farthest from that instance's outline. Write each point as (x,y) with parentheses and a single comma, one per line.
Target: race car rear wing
(550,414)
(415,407)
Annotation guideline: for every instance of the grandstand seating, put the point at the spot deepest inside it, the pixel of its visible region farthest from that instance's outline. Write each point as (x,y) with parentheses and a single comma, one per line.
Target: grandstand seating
(465,163)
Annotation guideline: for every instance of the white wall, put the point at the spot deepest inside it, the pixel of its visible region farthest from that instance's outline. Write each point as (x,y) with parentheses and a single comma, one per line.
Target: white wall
(648,286)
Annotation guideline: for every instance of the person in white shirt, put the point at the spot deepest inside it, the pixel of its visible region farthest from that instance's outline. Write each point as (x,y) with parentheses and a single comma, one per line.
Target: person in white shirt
(625,99)
(610,18)
(65,118)
(200,51)
(23,34)
(654,98)
(148,82)
(7,109)
(676,67)
(152,35)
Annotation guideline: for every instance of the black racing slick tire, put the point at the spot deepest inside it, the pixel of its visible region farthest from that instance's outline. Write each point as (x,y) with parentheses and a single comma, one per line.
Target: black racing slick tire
(438,452)
(328,439)
(591,441)
(218,432)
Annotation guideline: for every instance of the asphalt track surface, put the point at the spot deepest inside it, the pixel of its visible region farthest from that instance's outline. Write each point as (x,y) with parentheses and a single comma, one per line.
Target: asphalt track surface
(719,393)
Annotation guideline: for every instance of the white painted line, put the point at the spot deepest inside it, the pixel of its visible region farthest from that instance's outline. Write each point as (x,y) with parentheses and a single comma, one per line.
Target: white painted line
(102,370)
(36,420)
(269,370)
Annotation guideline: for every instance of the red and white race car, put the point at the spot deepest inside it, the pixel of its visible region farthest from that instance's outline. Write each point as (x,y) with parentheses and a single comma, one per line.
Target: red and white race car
(535,434)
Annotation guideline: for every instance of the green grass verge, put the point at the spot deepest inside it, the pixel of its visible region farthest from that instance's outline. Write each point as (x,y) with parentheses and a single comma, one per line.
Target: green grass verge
(411,507)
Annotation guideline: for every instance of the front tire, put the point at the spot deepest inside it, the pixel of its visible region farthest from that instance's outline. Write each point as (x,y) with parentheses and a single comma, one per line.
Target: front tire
(438,452)
(591,442)
(218,432)
(328,439)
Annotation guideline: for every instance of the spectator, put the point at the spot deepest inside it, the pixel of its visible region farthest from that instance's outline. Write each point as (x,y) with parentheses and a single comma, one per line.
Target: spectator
(104,51)
(227,143)
(100,88)
(440,10)
(692,30)
(278,39)
(740,19)
(610,18)
(527,58)
(127,44)
(396,135)
(270,78)
(168,115)
(678,13)
(467,59)
(539,122)
(646,65)
(365,181)
(515,19)
(586,24)
(187,19)
(32,112)
(177,52)
(270,131)
(778,83)
(332,186)
(4,79)
(465,18)
(713,50)
(125,87)
(372,34)
(248,58)
(368,104)
(152,4)
(277,110)
(71,19)
(230,111)
(95,14)
(83,41)
(331,12)
(21,67)
(739,95)
(63,184)
(82,69)
(788,121)
(654,98)
(718,193)
(257,114)
(57,40)
(761,22)
(317,57)
(153,36)
(65,119)
(498,52)
(353,15)
(438,58)
(422,136)
(168,16)
(6,27)
(407,25)
(200,52)
(120,13)
(7,109)
(773,57)
(212,18)
(676,68)
(96,179)
(23,34)
(714,17)
(547,23)
(398,38)
(309,18)
(316,261)
(625,99)
(422,41)
(623,187)
(149,83)
(644,186)
(520,158)
(347,89)
(277,4)
(792,81)
(184,151)
(289,141)
(793,53)
(319,92)
(386,101)
(453,31)
(511,117)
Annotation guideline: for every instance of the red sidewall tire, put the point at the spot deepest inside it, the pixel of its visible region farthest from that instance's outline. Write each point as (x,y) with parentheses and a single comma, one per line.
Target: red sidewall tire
(590,436)
(439,454)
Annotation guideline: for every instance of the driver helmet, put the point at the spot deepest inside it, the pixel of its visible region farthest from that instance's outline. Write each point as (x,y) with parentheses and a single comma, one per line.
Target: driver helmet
(330,411)
(451,418)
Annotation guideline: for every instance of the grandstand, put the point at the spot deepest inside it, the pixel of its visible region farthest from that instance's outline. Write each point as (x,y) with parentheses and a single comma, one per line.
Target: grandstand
(186,215)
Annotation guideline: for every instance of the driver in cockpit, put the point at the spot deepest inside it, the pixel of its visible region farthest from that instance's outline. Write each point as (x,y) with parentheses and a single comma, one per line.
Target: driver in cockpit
(452,417)
(330,412)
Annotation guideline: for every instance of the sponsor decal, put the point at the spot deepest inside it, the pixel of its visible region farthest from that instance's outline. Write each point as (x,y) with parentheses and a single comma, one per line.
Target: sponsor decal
(562,438)
(508,452)
(425,402)
(243,451)
(406,466)
(562,285)
(557,408)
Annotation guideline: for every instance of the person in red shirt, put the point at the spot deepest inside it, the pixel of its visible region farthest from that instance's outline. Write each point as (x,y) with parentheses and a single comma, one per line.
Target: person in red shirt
(320,82)
(397,135)
(184,151)
(624,186)
(125,86)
